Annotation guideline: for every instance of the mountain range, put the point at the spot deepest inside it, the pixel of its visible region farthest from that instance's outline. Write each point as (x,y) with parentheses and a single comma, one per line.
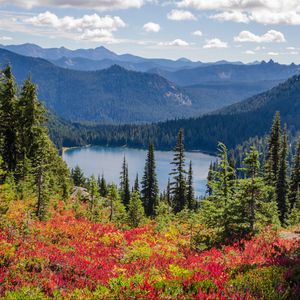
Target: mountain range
(117,94)
(232,125)
(111,95)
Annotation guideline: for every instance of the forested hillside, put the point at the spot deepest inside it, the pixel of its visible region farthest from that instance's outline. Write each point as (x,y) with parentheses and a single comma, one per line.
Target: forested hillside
(112,95)
(233,125)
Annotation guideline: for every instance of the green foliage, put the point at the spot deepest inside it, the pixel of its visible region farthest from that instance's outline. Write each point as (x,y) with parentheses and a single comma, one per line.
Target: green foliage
(149,190)
(262,282)
(178,185)
(77,176)
(28,293)
(136,213)
(124,184)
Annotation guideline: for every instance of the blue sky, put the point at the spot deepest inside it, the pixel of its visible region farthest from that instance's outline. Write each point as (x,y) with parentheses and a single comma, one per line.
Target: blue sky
(206,30)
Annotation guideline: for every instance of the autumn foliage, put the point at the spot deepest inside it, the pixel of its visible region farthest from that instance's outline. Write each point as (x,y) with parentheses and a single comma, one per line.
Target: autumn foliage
(70,258)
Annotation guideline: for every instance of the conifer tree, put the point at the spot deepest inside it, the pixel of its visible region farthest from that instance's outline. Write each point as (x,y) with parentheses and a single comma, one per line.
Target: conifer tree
(117,209)
(209,179)
(190,195)
(295,177)
(136,187)
(273,153)
(8,119)
(168,193)
(102,186)
(282,185)
(94,193)
(178,185)
(136,213)
(149,189)
(220,210)
(124,183)
(78,176)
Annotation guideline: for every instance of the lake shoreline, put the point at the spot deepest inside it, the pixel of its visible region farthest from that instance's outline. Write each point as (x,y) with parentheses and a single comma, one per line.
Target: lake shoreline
(64,149)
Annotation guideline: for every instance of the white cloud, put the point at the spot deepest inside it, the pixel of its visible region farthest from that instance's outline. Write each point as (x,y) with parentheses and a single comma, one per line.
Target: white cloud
(268,37)
(5,38)
(249,52)
(290,48)
(215,43)
(151,27)
(89,27)
(260,11)
(181,15)
(101,5)
(197,33)
(273,53)
(176,43)
(234,16)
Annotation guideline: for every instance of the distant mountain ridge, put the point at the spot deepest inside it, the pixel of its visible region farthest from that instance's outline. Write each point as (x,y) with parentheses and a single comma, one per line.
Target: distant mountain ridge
(101,58)
(111,95)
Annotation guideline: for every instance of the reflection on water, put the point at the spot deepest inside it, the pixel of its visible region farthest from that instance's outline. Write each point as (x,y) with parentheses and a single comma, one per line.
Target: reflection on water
(108,161)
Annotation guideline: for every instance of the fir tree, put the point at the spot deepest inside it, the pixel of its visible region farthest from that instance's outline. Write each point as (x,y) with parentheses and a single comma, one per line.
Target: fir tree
(8,119)
(178,185)
(117,209)
(94,193)
(136,214)
(149,190)
(124,183)
(168,193)
(103,190)
(136,187)
(273,153)
(295,177)
(209,179)
(282,186)
(190,195)
(78,176)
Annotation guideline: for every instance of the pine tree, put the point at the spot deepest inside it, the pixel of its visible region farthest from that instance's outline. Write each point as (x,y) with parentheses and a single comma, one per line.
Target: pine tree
(136,214)
(8,119)
(178,185)
(78,176)
(273,154)
(190,195)
(42,166)
(124,183)
(168,193)
(252,166)
(94,194)
(295,177)
(103,190)
(31,117)
(209,179)
(136,187)
(282,185)
(117,209)
(149,190)
(220,210)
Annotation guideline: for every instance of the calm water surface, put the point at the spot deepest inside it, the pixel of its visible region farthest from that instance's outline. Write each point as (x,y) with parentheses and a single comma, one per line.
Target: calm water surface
(98,160)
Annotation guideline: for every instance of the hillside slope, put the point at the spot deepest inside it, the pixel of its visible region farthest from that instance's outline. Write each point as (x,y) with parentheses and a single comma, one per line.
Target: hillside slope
(232,125)
(111,95)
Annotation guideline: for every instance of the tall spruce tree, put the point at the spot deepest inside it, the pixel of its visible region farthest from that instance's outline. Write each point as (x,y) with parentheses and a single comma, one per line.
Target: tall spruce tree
(190,195)
(78,176)
(8,119)
(136,187)
(282,186)
(136,214)
(103,190)
(273,153)
(149,191)
(124,183)
(178,185)
(295,177)
(221,210)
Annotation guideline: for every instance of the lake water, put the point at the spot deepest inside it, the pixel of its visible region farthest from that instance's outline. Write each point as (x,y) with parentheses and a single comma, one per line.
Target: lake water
(98,160)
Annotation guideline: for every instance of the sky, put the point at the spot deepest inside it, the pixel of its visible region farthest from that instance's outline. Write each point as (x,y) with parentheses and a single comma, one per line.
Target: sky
(200,30)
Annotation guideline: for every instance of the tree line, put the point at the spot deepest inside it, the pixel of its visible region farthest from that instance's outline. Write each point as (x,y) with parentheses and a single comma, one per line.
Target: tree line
(29,162)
